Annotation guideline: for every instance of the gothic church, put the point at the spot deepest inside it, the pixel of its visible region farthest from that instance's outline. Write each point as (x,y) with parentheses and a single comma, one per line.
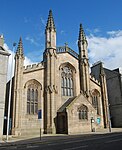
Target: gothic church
(60,87)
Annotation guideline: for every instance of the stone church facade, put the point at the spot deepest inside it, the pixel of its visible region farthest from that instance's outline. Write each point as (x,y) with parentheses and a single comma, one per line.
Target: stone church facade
(69,98)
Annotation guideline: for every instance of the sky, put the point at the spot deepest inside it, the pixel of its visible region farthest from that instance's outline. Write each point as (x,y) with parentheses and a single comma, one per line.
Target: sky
(101,20)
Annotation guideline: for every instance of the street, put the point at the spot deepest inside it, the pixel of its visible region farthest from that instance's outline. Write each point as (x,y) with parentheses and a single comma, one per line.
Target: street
(75,142)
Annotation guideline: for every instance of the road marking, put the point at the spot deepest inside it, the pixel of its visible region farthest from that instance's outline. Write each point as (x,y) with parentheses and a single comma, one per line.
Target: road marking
(30,146)
(113,141)
(71,148)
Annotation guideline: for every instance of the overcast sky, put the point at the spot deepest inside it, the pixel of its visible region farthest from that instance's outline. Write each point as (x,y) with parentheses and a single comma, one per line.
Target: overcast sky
(101,20)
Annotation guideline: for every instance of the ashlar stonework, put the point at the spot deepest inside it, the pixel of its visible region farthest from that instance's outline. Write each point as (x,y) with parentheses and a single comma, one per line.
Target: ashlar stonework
(70,100)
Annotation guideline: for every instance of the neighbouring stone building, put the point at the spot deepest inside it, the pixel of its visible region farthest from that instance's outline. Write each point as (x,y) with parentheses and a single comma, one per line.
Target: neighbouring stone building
(114,88)
(3,79)
(60,87)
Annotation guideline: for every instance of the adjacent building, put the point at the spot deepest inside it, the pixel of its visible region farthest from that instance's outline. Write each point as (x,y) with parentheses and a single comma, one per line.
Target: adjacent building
(3,79)
(114,89)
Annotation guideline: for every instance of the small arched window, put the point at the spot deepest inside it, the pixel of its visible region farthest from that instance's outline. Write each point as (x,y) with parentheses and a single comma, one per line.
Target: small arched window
(67,81)
(83,112)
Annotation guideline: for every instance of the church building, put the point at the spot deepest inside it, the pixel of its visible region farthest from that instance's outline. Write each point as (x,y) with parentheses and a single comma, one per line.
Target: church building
(59,90)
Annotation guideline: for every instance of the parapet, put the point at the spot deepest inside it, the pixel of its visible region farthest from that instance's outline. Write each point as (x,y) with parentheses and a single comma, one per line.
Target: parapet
(94,80)
(33,67)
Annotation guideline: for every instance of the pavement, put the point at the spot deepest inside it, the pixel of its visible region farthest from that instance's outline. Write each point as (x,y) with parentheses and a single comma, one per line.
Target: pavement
(28,139)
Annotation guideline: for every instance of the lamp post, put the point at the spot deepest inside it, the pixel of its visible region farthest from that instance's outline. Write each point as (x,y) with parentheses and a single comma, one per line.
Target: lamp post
(9,101)
(92,121)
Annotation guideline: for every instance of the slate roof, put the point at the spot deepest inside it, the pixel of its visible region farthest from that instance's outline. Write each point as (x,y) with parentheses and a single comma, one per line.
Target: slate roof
(63,107)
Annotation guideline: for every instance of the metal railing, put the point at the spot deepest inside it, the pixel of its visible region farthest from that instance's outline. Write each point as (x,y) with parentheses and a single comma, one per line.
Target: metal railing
(64,49)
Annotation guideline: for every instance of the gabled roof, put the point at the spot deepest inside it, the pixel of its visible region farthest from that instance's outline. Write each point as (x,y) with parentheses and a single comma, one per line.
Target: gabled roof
(63,107)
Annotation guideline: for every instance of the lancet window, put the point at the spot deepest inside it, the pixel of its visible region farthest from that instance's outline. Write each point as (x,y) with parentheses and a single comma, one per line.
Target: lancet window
(95,101)
(32,99)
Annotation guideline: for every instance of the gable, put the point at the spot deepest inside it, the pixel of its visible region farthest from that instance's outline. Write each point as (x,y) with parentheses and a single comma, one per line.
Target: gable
(76,102)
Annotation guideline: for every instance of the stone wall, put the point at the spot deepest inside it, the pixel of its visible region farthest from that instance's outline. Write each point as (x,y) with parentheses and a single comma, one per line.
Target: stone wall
(79,126)
(30,123)
(3,80)
(114,96)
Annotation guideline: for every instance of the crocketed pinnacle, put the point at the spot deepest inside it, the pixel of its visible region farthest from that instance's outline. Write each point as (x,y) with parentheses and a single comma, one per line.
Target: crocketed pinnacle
(82,36)
(20,47)
(50,22)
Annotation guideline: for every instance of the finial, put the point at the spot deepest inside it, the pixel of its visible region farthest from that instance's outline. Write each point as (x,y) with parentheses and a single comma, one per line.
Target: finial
(50,22)
(20,47)
(66,44)
(82,36)
(66,47)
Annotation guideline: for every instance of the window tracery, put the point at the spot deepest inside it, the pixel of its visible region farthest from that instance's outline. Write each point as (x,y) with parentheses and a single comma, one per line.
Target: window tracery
(95,101)
(32,99)
(83,112)
(67,81)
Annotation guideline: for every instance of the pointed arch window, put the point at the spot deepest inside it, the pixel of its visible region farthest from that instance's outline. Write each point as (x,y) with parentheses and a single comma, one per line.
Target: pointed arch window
(28,101)
(83,112)
(32,100)
(36,95)
(32,95)
(95,101)
(36,101)
(67,81)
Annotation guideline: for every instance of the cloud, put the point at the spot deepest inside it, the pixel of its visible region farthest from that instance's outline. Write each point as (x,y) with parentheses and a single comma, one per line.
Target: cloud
(27,20)
(32,40)
(28,61)
(106,49)
(62,32)
(115,33)
(43,21)
(11,62)
(96,30)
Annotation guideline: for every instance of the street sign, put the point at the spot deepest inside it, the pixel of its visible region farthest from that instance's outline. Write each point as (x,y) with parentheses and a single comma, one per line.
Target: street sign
(40,114)
(98,120)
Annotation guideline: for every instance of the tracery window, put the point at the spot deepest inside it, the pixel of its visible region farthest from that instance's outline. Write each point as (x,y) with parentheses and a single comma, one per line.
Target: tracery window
(83,112)
(32,99)
(95,101)
(67,81)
